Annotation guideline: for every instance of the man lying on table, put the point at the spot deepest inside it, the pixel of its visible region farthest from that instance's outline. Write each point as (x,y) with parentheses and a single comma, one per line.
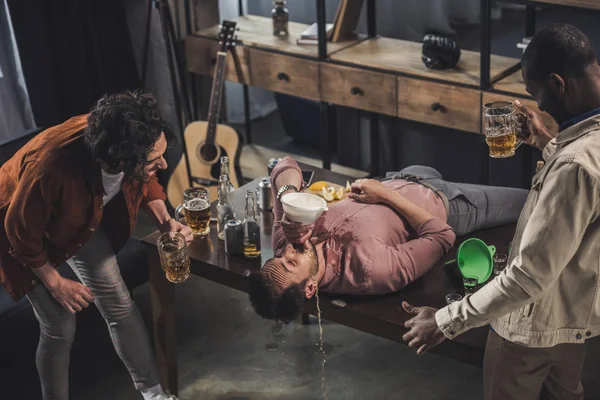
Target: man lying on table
(385,236)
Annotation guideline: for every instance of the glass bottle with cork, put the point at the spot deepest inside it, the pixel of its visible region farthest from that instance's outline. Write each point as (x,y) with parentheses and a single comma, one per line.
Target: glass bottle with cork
(224,206)
(280,17)
(251,227)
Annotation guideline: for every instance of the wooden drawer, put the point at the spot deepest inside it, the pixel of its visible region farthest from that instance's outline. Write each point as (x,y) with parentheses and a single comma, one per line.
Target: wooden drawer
(285,74)
(201,55)
(356,88)
(548,120)
(439,104)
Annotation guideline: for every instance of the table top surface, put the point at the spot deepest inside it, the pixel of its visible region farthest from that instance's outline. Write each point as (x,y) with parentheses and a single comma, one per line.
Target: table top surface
(381,315)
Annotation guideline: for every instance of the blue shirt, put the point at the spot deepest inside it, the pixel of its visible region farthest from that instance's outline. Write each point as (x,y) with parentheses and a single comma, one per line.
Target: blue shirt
(575,120)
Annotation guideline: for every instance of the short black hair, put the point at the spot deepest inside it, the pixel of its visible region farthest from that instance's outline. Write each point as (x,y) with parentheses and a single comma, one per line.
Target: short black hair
(123,128)
(270,304)
(560,49)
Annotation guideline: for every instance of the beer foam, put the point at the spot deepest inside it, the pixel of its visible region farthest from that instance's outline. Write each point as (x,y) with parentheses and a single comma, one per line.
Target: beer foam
(197,204)
(303,201)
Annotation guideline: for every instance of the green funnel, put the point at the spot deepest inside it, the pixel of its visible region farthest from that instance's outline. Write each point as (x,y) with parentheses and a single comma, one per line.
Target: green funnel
(475,260)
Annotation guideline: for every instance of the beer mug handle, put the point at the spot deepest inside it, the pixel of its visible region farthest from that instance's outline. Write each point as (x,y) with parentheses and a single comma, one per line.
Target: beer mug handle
(178,214)
(516,121)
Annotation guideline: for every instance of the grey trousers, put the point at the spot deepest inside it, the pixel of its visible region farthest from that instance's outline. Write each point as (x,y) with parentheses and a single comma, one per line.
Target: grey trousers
(472,207)
(96,266)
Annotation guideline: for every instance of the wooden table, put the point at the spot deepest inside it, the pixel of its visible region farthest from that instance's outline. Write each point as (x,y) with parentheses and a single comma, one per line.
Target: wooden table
(379,315)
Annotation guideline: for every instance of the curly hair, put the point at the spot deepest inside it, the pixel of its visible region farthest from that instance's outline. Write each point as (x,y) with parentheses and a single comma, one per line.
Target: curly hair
(270,304)
(123,128)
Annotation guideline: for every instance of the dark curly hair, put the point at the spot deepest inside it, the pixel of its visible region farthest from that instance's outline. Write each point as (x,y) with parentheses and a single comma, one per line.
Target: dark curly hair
(270,304)
(123,128)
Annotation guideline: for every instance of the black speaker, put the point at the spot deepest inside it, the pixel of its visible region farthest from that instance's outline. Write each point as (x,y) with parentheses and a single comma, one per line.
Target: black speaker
(440,52)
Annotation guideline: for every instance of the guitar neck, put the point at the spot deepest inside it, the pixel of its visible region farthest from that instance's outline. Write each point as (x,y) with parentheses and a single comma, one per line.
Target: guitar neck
(214,108)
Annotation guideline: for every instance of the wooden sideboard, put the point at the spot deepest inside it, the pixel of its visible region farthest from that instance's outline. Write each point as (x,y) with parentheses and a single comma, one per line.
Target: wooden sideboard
(380,75)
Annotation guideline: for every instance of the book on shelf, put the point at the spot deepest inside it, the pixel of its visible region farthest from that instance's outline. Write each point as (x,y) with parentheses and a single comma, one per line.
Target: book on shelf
(311,34)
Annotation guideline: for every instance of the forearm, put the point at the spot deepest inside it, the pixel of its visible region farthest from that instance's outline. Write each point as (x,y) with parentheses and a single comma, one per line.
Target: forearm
(288,177)
(414,214)
(48,275)
(157,210)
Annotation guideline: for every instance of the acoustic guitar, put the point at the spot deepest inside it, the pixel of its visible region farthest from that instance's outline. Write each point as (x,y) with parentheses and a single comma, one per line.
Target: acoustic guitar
(207,141)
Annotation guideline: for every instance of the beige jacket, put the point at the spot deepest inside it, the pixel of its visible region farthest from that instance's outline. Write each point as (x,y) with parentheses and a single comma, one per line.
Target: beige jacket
(548,294)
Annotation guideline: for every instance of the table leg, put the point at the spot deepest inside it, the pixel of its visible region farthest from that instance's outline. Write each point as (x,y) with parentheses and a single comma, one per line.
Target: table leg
(162,299)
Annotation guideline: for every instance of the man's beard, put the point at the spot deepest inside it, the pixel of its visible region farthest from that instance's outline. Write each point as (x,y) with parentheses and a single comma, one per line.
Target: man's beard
(311,255)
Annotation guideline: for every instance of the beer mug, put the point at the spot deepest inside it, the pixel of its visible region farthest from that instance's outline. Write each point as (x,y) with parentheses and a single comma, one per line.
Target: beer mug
(196,209)
(500,127)
(174,258)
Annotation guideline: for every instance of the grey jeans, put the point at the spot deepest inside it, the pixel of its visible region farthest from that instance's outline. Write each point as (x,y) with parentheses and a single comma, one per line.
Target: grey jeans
(472,207)
(96,266)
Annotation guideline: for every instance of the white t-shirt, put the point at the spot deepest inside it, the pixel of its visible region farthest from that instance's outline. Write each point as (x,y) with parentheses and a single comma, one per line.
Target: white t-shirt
(112,185)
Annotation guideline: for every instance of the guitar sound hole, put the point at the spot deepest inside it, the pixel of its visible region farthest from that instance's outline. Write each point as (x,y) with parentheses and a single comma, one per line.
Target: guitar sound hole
(209,152)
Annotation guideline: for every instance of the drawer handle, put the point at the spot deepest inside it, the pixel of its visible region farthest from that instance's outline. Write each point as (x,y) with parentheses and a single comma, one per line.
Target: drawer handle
(282,76)
(357,91)
(438,107)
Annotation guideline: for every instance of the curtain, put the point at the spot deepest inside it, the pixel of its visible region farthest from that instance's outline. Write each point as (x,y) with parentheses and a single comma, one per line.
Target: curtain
(15,111)
(72,52)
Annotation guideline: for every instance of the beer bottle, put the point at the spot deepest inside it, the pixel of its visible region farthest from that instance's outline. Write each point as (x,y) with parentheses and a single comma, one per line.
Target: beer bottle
(251,227)
(225,172)
(224,206)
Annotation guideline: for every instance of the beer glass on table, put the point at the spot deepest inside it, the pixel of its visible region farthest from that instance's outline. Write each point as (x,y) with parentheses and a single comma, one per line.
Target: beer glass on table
(174,258)
(499,124)
(196,209)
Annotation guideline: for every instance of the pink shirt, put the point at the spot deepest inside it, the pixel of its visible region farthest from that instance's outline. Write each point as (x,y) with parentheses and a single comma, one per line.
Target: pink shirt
(369,248)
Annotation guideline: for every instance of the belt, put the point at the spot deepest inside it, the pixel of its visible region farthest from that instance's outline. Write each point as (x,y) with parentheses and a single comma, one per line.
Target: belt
(422,181)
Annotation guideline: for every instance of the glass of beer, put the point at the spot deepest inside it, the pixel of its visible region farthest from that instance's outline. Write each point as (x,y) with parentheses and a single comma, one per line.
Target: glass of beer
(174,257)
(500,123)
(196,209)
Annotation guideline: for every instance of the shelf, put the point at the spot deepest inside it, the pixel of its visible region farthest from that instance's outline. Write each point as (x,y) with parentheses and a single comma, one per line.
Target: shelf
(590,4)
(512,84)
(405,57)
(255,31)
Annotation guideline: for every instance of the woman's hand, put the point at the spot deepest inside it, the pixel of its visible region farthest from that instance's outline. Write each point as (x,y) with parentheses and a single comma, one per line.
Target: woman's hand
(369,191)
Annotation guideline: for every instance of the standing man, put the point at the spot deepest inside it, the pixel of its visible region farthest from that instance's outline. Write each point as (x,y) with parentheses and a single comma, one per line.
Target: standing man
(72,194)
(545,304)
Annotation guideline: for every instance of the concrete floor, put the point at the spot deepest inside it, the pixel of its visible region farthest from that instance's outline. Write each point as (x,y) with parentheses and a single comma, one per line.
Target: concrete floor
(226,352)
